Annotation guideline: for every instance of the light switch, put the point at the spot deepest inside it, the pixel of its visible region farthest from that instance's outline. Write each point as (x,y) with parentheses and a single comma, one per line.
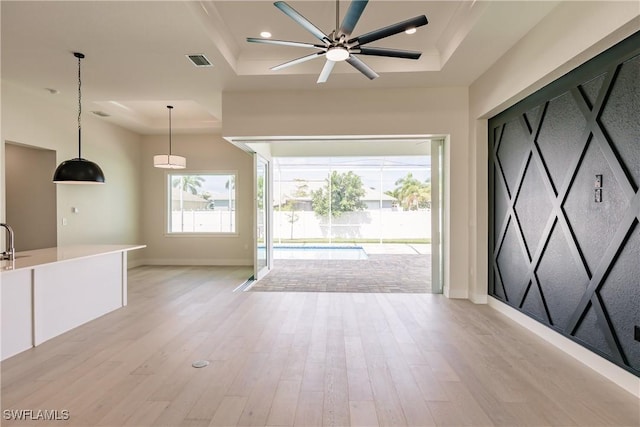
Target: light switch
(64,221)
(598,182)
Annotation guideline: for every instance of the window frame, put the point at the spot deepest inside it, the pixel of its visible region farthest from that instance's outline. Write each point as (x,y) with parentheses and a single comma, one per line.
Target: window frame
(168,178)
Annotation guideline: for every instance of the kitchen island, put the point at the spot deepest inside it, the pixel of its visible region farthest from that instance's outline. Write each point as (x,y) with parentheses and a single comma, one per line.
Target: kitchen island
(47,292)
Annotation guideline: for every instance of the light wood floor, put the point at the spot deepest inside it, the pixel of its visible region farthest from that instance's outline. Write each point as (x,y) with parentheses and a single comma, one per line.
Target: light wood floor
(281,359)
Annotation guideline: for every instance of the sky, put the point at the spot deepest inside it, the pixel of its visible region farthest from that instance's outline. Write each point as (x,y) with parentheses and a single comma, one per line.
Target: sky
(316,169)
(368,168)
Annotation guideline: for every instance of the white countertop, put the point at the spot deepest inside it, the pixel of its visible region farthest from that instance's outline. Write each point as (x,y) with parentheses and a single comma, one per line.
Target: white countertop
(37,257)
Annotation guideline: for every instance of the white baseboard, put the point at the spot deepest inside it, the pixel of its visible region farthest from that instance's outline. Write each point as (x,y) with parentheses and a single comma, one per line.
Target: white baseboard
(456,294)
(479,299)
(135,263)
(197,262)
(613,372)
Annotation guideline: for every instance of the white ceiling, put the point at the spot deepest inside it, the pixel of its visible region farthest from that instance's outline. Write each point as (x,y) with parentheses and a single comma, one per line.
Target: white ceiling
(135,51)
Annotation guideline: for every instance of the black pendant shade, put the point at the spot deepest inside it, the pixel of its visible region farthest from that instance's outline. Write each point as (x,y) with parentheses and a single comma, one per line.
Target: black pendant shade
(78,170)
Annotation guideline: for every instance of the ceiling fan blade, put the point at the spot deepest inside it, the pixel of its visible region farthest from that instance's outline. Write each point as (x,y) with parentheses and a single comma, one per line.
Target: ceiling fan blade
(298,61)
(381,33)
(351,18)
(301,20)
(362,67)
(326,70)
(285,43)
(393,53)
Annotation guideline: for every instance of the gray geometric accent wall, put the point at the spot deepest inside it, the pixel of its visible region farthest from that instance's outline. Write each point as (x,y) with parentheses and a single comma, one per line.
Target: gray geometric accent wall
(564,212)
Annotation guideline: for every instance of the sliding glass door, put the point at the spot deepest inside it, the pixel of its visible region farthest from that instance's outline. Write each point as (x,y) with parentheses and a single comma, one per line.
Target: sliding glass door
(262,252)
(437,215)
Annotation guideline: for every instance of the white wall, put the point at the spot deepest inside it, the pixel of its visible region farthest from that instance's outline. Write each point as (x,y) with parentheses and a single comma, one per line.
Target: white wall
(204,153)
(109,213)
(425,111)
(570,35)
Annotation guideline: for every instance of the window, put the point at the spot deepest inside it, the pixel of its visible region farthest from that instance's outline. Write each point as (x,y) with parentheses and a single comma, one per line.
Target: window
(201,203)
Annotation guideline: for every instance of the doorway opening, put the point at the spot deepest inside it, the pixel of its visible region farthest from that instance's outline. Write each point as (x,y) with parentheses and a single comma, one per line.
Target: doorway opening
(31,207)
(355,214)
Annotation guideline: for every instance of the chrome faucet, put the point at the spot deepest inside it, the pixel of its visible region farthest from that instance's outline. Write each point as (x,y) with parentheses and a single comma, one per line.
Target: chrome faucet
(10,253)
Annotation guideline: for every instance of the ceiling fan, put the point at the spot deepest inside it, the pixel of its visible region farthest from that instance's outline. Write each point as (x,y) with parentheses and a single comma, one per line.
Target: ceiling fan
(338,46)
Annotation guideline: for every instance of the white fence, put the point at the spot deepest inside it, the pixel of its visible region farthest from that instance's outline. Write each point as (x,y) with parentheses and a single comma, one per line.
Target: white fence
(216,221)
(369,224)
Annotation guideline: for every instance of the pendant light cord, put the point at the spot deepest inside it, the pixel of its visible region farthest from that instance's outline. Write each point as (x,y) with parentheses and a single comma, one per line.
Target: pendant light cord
(79,56)
(170,108)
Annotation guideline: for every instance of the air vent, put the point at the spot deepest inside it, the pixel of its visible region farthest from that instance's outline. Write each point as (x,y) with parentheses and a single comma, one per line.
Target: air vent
(199,60)
(101,114)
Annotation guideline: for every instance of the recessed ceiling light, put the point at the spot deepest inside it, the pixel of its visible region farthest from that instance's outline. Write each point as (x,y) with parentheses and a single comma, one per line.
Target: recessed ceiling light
(265,35)
(411,30)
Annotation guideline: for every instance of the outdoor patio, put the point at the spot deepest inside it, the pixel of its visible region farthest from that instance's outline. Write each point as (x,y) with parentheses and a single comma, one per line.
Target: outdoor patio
(389,268)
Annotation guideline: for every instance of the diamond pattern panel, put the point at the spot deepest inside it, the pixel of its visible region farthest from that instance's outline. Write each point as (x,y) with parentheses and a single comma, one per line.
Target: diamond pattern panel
(590,332)
(621,297)
(592,88)
(594,224)
(534,305)
(558,254)
(512,264)
(501,207)
(561,135)
(623,123)
(533,207)
(496,287)
(563,283)
(512,153)
(532,115)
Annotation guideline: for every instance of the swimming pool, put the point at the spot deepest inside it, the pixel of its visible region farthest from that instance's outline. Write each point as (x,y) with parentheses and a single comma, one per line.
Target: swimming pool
(319,252)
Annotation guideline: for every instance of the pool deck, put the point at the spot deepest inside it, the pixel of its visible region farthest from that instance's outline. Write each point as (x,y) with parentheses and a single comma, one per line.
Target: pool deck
(369,248)
(390,268)
(397,248)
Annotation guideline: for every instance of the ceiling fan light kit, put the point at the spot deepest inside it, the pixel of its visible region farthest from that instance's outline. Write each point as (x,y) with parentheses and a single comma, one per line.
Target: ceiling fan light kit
(337,54)
(338,46)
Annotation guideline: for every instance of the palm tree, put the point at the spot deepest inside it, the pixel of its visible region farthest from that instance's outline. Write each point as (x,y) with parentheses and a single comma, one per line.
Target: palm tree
(231,183)
(230,186)
(188,183)
(411,193)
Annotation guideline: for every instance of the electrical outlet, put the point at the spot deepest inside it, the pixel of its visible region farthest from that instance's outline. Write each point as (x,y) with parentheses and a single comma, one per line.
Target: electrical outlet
(598,195)
(636,333)
(598,183)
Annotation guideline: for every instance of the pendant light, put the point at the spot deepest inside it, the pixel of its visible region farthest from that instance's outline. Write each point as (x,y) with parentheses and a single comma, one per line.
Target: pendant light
(78,170)
(169,161)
